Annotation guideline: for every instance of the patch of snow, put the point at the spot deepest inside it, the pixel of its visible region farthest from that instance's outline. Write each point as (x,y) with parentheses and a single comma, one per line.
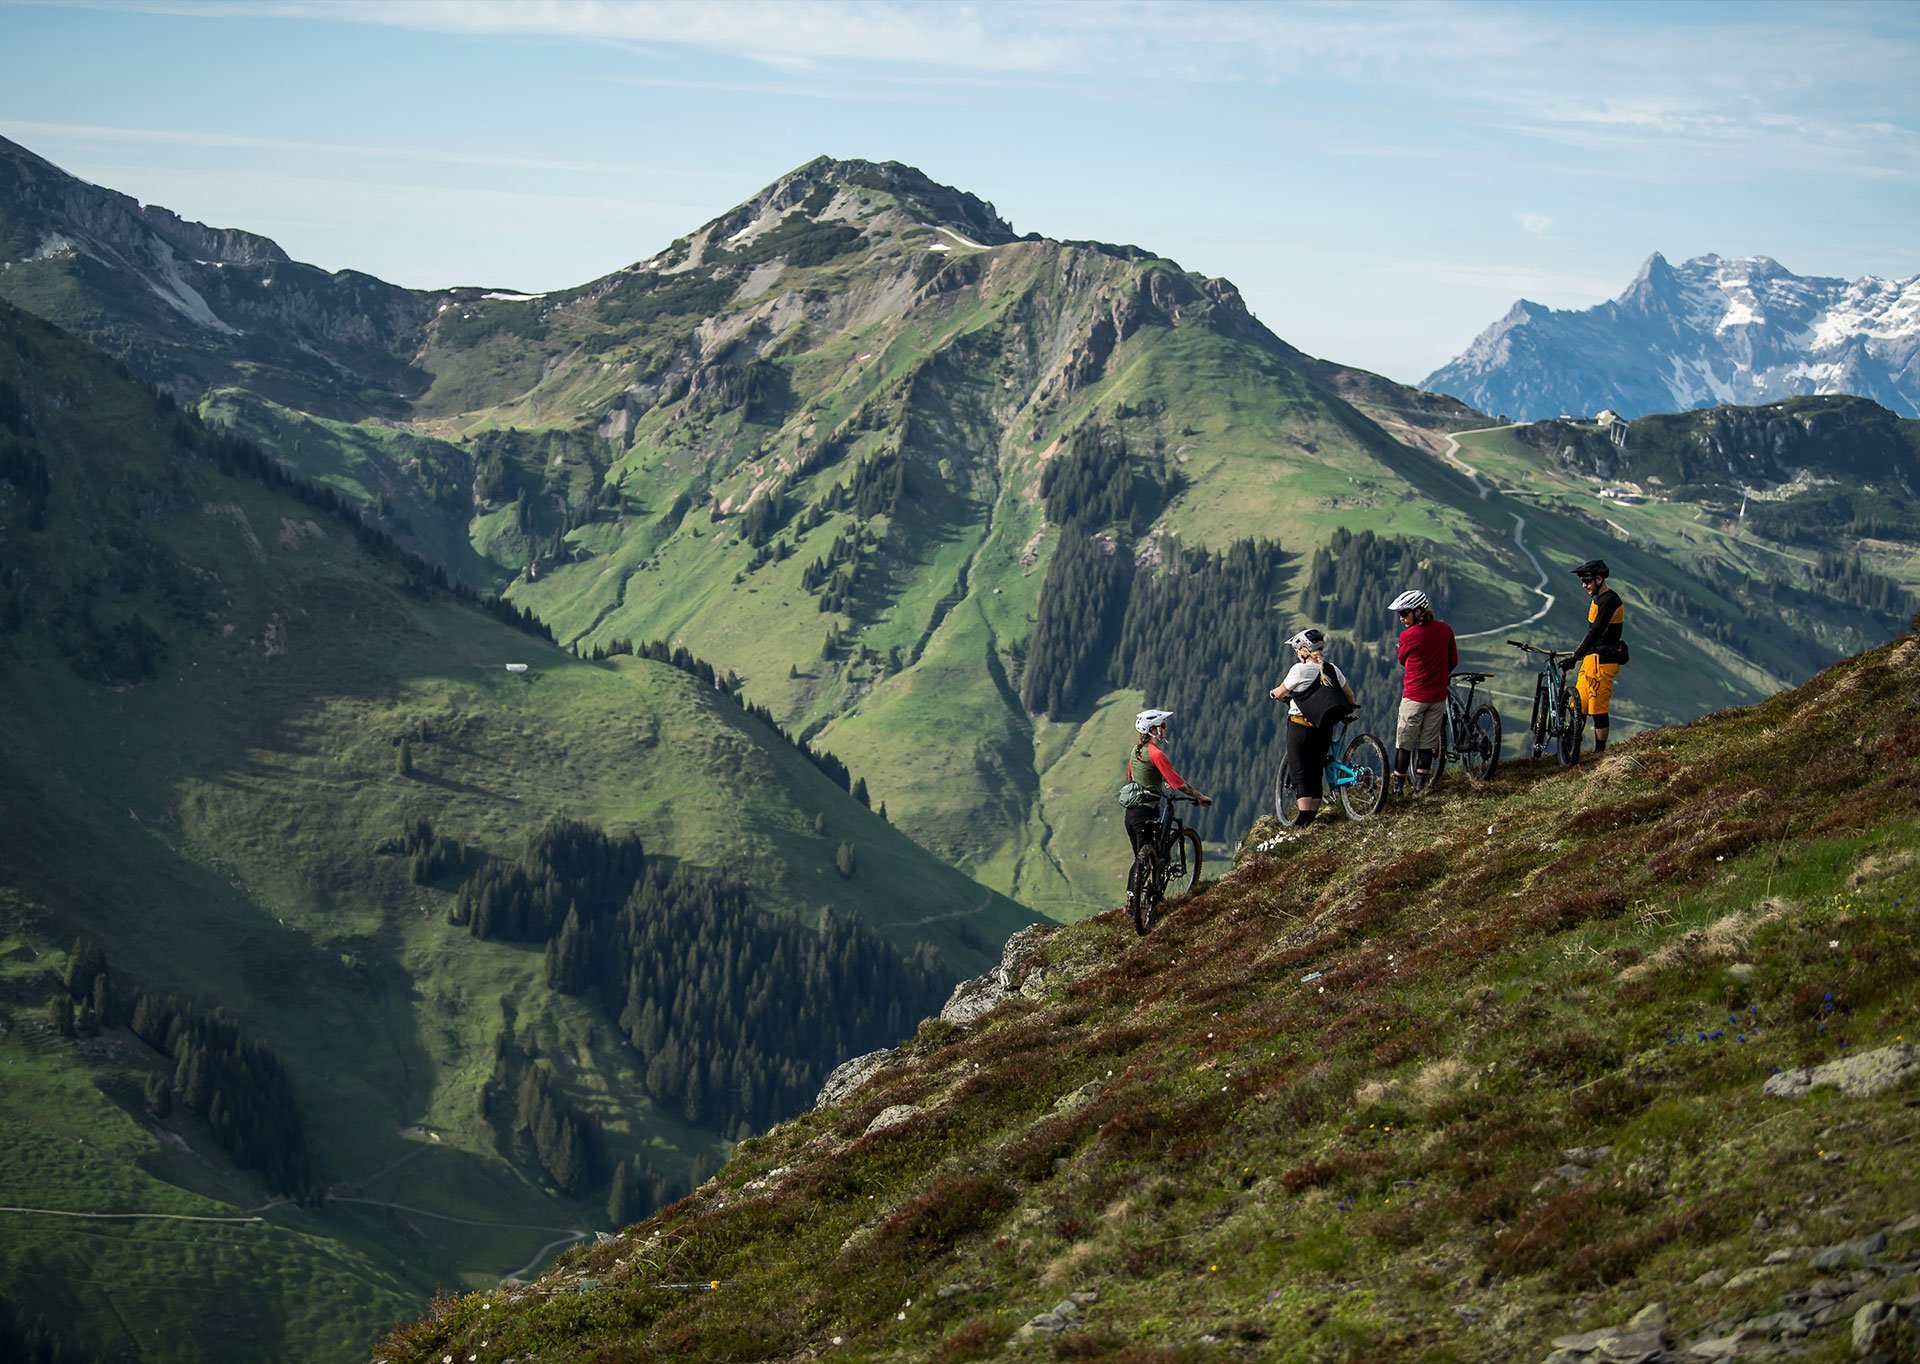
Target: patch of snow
(514,298)
(744,232)
(940,246)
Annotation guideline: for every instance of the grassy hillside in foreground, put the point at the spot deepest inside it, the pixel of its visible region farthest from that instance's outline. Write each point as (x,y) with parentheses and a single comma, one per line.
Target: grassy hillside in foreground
(1443,1086)
(226,709)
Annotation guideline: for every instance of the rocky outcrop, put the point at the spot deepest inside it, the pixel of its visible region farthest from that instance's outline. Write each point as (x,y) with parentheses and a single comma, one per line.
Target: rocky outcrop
(1021,972)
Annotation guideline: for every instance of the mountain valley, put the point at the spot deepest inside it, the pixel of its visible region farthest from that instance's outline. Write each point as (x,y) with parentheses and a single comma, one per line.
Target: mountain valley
(533,738)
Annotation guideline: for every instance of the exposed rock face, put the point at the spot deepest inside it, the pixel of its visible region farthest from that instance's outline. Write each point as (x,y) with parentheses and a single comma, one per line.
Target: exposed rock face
(1709,331)
(210,303)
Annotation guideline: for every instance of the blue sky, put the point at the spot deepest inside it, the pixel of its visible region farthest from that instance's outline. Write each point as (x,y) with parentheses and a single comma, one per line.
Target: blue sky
(1381,180)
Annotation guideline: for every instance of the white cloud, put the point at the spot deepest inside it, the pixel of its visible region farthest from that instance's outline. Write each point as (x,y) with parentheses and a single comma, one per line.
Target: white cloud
(1533,222)
(45,134)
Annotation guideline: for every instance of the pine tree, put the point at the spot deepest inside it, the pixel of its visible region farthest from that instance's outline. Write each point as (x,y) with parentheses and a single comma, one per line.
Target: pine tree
(623,1198)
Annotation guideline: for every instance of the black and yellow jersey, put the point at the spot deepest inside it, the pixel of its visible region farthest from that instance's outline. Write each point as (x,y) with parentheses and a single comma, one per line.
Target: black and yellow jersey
(1606,620)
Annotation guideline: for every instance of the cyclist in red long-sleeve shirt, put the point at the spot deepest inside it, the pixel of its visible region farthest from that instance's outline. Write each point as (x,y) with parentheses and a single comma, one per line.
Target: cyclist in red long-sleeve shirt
(1150,767)
(1429,654)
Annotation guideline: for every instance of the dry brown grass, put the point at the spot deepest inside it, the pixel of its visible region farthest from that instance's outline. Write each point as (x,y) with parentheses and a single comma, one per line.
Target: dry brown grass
(1725,939)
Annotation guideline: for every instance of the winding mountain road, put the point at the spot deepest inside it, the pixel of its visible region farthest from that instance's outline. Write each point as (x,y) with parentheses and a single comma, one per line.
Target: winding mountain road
(1452,455)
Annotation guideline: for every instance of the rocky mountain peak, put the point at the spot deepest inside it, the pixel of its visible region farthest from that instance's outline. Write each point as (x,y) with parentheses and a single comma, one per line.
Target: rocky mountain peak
(1714,329)
(861,192)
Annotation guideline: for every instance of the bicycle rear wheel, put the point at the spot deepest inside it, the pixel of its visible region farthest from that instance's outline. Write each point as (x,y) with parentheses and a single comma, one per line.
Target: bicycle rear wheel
(1183,863)
(1449,738)
(1286,796)
(1366,756)
(1143,889)
(1542,717)
(1480,745)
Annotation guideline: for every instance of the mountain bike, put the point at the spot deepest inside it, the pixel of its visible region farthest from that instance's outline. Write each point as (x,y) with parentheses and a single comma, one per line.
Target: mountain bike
(1168,862)
(1557,718)
(1356,771)
(1469,732)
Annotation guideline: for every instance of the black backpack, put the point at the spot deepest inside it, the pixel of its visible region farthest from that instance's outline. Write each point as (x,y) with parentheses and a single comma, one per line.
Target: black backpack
(1324,704)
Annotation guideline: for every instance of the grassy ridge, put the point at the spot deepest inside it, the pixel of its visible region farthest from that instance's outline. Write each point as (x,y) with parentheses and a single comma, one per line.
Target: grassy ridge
(1319,1112)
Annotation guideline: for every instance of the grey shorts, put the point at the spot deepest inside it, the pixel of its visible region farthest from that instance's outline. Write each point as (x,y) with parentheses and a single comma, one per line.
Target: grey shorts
(1420,724)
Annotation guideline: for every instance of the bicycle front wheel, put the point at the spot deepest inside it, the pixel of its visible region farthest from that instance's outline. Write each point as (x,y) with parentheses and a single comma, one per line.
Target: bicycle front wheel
(1143,889)
(1572,724)
(1480,746)
(1286,796)
(1183,863)
(1366,757)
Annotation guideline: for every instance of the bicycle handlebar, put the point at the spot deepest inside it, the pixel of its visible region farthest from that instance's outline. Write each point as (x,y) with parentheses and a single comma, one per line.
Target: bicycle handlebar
(1536,649)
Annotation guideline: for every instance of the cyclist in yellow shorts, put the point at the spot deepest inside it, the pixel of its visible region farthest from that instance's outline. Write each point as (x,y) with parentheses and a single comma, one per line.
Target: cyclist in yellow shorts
(1601,652)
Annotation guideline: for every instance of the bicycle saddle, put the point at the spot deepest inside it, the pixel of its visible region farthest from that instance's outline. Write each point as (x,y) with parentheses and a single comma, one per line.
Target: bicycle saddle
(1470,677)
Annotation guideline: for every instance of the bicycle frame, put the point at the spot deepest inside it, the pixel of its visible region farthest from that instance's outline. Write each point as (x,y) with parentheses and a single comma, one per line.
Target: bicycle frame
(1455,722)
(1169,826)
(1358,789)
(1556,714)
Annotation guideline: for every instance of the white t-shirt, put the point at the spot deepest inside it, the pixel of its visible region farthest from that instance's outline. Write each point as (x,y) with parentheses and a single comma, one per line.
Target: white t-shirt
(1303,675)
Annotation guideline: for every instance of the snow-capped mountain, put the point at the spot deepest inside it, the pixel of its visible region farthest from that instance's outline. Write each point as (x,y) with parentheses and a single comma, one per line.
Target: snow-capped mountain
(1706,332)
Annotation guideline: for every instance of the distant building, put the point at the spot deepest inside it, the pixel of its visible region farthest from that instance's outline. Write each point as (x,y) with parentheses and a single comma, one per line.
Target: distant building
(516,667)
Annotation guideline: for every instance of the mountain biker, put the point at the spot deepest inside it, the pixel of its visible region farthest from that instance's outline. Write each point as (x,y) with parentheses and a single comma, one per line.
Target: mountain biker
(1307,743)
(1601,651)
(1429,654)
(1149,766)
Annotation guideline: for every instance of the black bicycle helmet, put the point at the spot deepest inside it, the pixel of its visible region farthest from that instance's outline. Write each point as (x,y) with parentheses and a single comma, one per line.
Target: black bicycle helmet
(1592,568)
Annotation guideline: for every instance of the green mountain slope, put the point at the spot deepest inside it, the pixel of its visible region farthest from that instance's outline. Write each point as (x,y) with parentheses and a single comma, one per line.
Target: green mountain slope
(253,754)
(1454,1083)
(833,441)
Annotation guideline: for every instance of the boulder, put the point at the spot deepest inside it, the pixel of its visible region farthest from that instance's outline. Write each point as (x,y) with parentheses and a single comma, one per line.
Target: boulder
(1858,1077)
(850,1075)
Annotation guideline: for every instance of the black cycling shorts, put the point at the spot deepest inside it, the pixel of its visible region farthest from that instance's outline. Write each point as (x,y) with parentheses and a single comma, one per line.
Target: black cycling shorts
(1141,822)
(1307,756)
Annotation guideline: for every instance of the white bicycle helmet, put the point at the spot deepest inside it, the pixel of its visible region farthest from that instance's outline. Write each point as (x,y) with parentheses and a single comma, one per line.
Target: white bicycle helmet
(1309,638)
(1410,600)
(1148,720)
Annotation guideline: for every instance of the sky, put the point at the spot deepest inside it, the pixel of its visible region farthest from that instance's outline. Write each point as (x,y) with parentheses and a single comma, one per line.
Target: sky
(1381,180)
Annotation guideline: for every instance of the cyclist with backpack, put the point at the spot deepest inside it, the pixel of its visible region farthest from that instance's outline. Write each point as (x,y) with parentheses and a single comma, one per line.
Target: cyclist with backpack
(1150,776)
(1429,654)
(1600,651)
(1317,696)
